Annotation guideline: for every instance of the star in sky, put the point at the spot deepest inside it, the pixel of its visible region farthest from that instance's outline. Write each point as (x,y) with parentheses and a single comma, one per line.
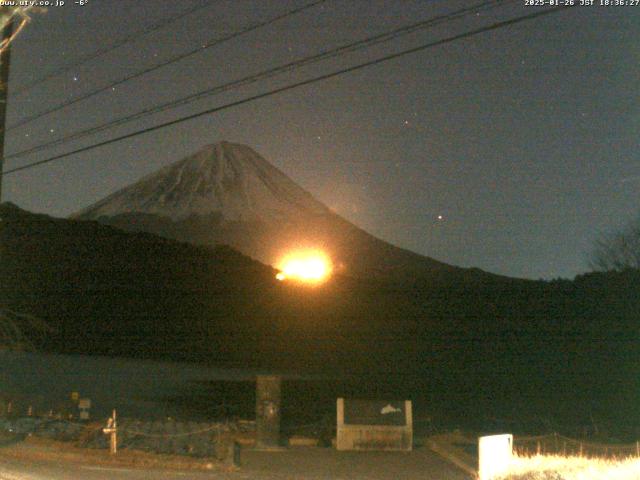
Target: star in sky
(452,119)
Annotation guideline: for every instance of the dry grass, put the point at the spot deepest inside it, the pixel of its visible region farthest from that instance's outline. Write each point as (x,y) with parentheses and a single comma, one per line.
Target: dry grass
(556,467)
(38,449)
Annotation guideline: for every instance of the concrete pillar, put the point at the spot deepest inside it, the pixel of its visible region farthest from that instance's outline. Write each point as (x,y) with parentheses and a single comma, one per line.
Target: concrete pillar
(268,389)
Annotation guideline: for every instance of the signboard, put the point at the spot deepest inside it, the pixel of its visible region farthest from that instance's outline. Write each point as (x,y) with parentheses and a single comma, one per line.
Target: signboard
(374,425)
(84,405)
(374,412)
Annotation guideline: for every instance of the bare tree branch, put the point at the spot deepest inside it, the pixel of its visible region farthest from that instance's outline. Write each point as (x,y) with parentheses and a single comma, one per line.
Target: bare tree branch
(618,251)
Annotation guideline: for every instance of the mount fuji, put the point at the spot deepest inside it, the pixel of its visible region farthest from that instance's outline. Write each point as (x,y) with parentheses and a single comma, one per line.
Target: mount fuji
(228,194)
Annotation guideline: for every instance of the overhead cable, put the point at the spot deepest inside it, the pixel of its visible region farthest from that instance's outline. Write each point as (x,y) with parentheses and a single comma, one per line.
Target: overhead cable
(109,48)
(292,86)
(176,58)
(269,73)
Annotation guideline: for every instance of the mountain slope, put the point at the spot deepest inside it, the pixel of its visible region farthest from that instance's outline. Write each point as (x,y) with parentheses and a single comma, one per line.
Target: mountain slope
(106,291)
(497,347)
(225,179)
(228,194)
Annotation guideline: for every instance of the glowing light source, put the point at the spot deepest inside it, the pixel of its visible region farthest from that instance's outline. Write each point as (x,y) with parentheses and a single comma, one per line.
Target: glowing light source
(312,266)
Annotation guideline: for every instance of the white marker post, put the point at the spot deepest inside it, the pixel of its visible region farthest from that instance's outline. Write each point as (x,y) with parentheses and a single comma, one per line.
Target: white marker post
(495,453)
(112,430)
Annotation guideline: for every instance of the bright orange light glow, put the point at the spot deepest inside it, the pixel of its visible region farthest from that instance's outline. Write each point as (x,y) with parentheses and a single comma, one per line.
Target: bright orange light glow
(312,266)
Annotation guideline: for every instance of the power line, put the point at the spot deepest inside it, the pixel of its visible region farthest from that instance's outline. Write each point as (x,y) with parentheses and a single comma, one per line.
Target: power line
(250,79)
(103,51)
(310,81)
(174,59)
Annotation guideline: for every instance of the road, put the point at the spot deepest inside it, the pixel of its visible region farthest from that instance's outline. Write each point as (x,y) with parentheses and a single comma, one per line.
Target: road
(294,463)
(23,470)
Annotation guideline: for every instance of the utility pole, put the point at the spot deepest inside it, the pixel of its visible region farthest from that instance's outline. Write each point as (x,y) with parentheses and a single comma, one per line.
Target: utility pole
(268,411)
(5,60)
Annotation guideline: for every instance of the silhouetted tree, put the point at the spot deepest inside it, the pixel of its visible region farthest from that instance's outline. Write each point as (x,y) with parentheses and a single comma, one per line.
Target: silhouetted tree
(618,251)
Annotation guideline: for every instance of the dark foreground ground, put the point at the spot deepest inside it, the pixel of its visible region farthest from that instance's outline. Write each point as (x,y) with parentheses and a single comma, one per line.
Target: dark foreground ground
(27,461)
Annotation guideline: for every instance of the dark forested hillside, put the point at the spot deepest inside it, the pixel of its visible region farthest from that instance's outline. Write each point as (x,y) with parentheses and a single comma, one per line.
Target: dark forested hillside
(480,346)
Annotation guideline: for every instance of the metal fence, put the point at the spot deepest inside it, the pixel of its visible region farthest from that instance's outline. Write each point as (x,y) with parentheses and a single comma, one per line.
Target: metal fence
(169,436)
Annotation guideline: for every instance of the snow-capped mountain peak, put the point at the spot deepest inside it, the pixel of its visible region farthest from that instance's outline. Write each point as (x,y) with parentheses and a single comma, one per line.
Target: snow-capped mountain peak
(228,179)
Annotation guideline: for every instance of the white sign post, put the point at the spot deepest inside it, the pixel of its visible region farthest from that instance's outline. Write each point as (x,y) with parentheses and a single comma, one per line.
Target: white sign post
(112,430)
(495,453)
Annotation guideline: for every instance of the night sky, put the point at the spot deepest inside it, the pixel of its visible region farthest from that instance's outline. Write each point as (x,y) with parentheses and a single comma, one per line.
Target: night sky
(510,151)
